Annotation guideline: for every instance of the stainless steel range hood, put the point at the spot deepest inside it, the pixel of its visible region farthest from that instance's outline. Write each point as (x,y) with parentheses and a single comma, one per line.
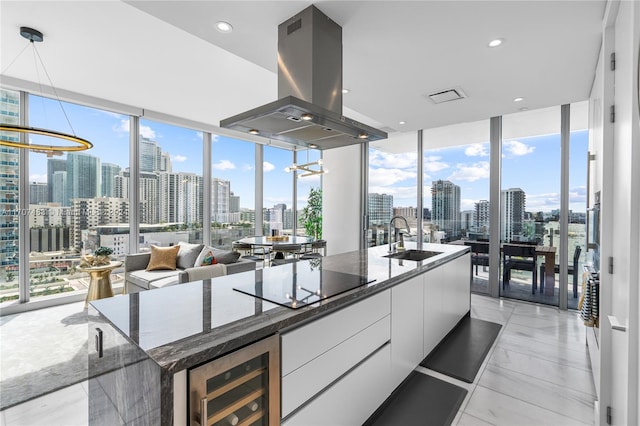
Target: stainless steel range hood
(308,112)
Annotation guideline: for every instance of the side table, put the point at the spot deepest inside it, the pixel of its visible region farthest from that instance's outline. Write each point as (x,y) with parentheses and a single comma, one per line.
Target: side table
(100,281)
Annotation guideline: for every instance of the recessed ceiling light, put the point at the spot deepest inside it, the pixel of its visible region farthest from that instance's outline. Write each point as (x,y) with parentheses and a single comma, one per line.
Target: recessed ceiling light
(224,27)
(345,90)
(524,109)
(403,122)
(518,99)
(495,43)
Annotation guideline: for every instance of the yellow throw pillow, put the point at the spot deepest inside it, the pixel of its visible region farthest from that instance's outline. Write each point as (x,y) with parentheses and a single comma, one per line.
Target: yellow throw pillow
(163,258)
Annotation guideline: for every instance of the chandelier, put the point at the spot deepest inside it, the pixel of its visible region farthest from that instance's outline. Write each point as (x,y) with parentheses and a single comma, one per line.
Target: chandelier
(78,144)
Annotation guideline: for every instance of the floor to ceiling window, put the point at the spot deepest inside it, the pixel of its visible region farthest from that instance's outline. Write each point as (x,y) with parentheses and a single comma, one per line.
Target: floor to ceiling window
(9,210)
(171,185)
(577,235)
(72,197)
(232,191)
(456,194)
(393,177)
(309,193)
(278,191)
(530,204)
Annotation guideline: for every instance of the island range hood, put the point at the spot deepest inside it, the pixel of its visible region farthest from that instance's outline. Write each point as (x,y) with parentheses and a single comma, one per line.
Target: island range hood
(308,112)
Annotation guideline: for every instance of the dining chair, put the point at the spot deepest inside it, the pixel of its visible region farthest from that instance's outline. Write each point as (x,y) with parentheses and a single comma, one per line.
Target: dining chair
(316,246)
(251,252)
(282,250)
(572,269)
(519,257)
(479,254)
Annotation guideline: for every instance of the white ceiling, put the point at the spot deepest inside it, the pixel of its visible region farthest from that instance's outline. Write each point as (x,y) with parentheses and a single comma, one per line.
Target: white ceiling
(166,56)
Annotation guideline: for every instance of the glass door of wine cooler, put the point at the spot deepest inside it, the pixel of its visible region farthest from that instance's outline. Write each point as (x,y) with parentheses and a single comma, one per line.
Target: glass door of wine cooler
(241,388)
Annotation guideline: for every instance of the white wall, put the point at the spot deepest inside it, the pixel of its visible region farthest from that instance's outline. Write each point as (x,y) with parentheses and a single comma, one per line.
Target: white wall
(341,199)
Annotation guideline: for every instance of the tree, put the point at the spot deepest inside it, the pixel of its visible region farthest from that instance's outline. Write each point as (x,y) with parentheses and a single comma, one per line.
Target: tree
(10,276)
(312,214)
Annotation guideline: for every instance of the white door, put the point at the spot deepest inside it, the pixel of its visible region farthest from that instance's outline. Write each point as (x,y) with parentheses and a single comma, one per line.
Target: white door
(624,215)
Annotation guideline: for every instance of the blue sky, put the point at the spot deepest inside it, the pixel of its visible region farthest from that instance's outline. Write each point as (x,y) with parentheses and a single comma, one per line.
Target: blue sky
(532,164)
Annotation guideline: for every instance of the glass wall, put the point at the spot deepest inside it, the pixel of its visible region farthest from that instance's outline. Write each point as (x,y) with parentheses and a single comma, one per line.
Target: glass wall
(530,203)
(309,194)
(232,191)
(278,191)
(73,203)
(171,185)
(577,238)
(456,194)
(393,177)
(9,209)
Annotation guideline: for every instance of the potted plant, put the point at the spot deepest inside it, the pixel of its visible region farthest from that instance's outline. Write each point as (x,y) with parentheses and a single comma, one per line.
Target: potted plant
(102,256)
(312,214)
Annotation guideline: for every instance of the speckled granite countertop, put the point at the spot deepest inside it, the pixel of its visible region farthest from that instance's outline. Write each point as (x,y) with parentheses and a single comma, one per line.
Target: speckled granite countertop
(188,324)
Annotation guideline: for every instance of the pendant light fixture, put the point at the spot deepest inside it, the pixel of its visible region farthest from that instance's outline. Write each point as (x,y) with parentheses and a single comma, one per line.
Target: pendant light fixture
(79,144)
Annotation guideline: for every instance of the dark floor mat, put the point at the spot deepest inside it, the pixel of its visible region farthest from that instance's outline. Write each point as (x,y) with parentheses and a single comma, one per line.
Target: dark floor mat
(420,400)
(461,353)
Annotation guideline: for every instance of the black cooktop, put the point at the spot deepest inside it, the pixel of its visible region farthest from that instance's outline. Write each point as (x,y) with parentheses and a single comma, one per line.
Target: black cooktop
(296,285)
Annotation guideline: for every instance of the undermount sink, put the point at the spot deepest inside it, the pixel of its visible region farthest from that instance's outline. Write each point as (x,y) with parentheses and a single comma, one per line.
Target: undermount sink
(416,255)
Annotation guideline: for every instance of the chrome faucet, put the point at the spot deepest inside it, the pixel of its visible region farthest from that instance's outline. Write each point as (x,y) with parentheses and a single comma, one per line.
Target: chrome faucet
(392,246)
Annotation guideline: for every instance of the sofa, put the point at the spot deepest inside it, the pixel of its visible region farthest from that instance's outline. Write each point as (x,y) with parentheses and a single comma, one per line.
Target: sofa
(138,278)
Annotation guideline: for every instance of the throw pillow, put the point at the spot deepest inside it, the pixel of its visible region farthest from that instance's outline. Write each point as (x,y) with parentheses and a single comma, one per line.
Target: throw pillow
(226,256)
(163,258)
(188,254)
(206,257)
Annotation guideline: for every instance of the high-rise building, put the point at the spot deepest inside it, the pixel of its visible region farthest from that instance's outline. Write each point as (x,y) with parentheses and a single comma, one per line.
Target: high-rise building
(165,162)
(380,208)
(149,204)
(38,193)
(59,188)
(88,213)
(445,207)
(150,155)
(466,220)
(9,114)
(84,176)
(220,200)
(54,165)
(513,202)
(481,217)
(109,172)
(180,197)
(234,203)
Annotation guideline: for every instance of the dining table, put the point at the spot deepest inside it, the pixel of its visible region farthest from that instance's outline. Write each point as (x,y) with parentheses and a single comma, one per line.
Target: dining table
(269,241)
(548,252)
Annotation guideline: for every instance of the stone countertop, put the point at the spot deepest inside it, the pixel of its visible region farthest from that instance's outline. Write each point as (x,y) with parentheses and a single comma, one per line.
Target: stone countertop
(185,325)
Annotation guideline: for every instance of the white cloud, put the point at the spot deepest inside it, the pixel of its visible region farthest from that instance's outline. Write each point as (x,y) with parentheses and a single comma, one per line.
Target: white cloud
(470,172)
(433,164)
(38,178)
(543,202)
(145,131)
(179,158)
(386,177)
(517,148)
(247,167)
(223,165)
(267,167)
(405,160)
(476,150)
(468,204)
(215,138)
(398,192)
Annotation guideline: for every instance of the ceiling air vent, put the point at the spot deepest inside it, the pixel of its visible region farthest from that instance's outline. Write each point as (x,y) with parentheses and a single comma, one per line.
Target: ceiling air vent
(447,95)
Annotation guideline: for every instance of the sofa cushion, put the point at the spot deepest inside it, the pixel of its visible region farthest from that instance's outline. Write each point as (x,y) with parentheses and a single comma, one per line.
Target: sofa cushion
(163,258)
(144,279)
(221,256)
(188,254)
(165,282)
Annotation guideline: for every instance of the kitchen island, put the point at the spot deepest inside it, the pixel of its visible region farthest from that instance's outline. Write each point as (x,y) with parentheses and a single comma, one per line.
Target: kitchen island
(334,342)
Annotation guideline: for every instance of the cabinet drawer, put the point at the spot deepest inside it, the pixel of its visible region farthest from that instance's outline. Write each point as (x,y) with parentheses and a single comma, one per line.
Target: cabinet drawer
(305,343)
(353,399)
(306,381)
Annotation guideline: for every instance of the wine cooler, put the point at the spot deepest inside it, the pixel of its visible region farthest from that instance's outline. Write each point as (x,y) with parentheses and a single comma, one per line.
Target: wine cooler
(238,389)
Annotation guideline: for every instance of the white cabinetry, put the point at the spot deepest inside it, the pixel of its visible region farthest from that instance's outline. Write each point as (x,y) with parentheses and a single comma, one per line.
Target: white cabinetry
(406,328)
(338,358)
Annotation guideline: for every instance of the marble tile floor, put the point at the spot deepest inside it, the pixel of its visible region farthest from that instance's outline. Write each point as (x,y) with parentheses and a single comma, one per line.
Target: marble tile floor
(536,373)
